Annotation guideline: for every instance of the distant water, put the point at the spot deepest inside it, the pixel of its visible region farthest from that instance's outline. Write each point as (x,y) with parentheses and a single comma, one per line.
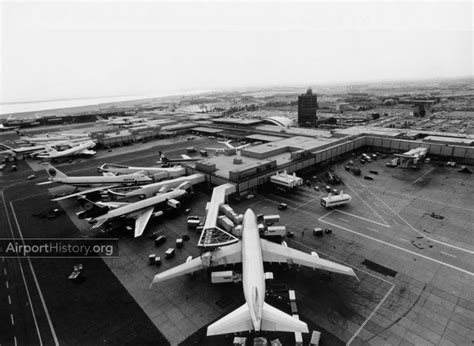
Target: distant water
(12,108)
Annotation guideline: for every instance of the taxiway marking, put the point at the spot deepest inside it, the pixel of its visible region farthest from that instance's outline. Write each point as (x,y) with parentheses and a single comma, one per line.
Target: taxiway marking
(56,342)
(6,283)
(409,225)
(371,315)
(364,271)
(14,340)
(343,220)
(373,229)
(424,199)
(302,204)
(363,201)
(9,300)
(13,321)
(362,218)
(448,254)
(402,239)
(399,248)
(5,271)
(421,176)
(35,195)
(22,274)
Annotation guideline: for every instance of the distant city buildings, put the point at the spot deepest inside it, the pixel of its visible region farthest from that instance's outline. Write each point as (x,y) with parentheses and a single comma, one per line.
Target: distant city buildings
(307,107)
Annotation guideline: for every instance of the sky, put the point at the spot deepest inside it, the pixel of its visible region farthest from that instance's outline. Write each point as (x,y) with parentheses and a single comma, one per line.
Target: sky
(63,50)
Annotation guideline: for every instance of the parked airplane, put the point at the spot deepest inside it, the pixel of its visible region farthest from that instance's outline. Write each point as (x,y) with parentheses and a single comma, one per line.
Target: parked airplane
(413,156)
(149,190)
(54,138)
(120,121)
(143,191)
(101,213)
(121,169)
(184,158)
(56,176)
(75,149)
(229,146)
(252,251)
(416,154)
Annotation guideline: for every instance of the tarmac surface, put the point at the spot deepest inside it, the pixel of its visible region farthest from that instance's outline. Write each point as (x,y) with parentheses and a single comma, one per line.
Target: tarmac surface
(416,272)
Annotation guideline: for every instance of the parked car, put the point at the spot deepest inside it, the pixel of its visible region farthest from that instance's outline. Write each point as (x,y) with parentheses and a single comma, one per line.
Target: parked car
(282,206)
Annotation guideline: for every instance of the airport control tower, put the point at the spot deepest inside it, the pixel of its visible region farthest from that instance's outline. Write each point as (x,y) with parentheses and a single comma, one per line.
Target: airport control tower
(307,106)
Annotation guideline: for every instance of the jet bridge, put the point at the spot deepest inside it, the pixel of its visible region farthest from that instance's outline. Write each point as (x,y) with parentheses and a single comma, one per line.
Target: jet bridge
(213,236)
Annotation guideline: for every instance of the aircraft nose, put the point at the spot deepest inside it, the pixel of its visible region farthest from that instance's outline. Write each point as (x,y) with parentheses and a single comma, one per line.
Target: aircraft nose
(249,213)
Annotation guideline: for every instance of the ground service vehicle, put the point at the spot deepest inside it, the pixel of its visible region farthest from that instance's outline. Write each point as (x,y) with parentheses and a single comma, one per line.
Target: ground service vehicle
(170,253)
(335,200)
(160,240)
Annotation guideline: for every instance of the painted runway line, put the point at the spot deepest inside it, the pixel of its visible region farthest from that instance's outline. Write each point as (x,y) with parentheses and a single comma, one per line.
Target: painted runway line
(400,248)
(362,218)
(413,228)
(392,286)
(48,317)
(22,274)
(448,254)
(370,316)
(429,171)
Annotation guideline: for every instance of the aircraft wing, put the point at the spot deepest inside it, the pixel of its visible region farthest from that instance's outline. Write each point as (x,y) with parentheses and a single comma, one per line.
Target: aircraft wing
(273,252)
(237,321)
(186,157)
(142,220)
(108,174)
(276,320)
(82,193)
(225,255)
(228,254)
(113,205)
(185,268)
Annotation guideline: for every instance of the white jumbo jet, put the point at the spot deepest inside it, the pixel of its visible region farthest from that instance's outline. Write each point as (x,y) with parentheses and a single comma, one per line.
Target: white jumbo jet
(143,191)
(82,148)
(415,155)
(121,169)
(252,251)
(56,176)
(141,211)
(149,190)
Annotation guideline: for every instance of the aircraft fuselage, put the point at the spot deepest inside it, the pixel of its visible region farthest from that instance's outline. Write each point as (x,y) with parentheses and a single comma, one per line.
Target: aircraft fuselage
(253,277)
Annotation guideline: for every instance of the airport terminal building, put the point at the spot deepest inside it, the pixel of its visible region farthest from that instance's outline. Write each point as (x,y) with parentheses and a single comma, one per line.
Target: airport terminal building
(292,153)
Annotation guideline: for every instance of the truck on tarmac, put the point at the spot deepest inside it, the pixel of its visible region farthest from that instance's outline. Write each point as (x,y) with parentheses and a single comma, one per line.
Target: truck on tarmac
(227,276)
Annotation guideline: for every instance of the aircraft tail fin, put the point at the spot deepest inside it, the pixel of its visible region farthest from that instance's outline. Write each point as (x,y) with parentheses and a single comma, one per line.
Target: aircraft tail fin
(237,321)
(53,172)
(91,209)
(276,320)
